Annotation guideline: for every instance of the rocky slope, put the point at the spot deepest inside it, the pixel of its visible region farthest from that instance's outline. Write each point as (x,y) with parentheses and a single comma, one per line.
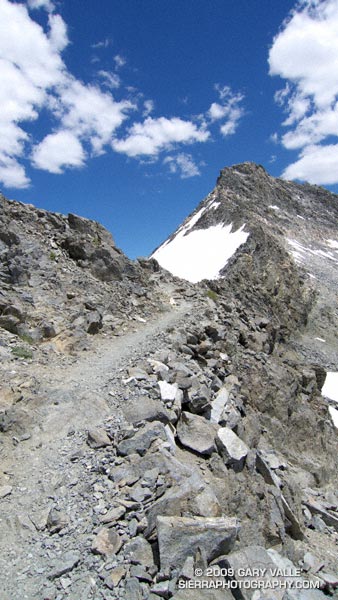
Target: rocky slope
(183,439)
(63,278)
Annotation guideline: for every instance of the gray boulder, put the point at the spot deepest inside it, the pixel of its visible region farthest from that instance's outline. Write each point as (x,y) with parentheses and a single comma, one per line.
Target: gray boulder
(196,433)
(98,438)
(143,408)
(139,552)
(142,440)
(180,537)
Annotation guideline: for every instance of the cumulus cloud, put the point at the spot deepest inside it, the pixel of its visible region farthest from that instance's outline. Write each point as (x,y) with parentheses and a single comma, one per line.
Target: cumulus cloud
(12,174)
(305,54)
(29,66)
(34,77)
(317,164)
(57,151)
(183,164)
(87,114)
(24,44)
(154,135)
(91,113)
(83,119)
(46,4)
(58,33)
(229,110)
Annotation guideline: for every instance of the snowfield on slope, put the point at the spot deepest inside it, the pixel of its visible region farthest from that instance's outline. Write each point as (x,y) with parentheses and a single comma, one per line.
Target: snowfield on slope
(201,253)
(330,387)
(330,390)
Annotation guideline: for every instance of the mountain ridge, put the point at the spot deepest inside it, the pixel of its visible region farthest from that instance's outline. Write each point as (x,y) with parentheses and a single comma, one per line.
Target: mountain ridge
(300,218)
(152,428)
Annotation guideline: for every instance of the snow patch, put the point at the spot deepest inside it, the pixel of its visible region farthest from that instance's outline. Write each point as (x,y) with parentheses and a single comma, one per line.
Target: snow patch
(274,207)
(202,253)
(301,251)
(298,257)
(183,229)
(320,340)
(194,219)
(330,387)
(334,415)
(333,244)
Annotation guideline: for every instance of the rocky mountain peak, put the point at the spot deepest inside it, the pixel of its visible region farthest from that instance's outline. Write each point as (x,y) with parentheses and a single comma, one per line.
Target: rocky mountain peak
(248,169)
(275,222)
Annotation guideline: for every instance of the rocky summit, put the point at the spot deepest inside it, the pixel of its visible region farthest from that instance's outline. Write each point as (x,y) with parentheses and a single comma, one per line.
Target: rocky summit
(166,429)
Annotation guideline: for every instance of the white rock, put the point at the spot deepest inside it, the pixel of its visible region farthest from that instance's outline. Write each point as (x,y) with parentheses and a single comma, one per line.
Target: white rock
(231,447)
(168,391)
(217,405)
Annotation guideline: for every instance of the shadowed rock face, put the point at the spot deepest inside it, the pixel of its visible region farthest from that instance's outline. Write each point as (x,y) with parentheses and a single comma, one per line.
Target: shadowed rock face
(31,233)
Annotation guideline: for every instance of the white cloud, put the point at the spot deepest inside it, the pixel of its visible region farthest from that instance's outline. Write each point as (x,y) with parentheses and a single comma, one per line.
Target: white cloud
(312,129)
(317,165)
(282,95)
(154,135)
(111,80)
(19,97)
(29,66)
(91,113)
(47,4)
(83,118)
(58,33)
(217,111)
(183,164)
(12,173)
(24,44)
(148,107)
(305,53)
(34,77)
(298,106)
(223,90)
(58,151)
(230,126)
(120,61)
(102,44)
(230,109)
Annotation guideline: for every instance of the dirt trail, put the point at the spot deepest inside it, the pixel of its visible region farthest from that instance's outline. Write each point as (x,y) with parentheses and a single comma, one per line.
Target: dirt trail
(73,386)
(73,397)
(67,391)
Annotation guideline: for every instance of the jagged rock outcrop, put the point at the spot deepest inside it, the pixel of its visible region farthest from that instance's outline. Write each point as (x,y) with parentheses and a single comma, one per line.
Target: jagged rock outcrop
(62,277)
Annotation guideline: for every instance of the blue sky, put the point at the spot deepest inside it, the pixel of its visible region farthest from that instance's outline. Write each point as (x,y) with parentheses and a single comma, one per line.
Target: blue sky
(125,112)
